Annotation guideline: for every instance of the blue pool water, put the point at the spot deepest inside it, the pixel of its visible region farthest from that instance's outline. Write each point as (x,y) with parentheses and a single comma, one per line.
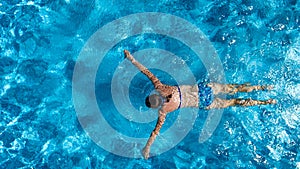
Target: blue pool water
(257,42)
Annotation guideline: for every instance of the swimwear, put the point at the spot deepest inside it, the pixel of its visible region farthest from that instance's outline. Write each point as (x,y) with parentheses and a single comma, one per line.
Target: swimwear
(205,95)
(179,97)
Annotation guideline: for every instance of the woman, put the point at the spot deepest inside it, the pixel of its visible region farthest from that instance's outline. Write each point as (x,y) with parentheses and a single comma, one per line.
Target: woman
(171,98)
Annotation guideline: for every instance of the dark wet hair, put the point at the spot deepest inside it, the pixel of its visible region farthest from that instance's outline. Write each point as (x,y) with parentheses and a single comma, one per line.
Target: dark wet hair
(153,101)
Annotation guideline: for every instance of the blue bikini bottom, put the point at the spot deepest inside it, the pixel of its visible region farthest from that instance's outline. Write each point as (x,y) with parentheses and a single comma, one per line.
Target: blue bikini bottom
(205,95)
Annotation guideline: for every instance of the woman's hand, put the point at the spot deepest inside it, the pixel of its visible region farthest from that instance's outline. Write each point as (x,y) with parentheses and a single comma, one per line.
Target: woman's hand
(146,151)
(128,55)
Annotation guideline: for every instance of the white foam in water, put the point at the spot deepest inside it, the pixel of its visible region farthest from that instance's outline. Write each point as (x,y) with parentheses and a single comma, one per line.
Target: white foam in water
(71,144)
(249,118)
(294,53)
(30,3)
(5,88)
(284,137)
(275,153)
(17,144)
(291,116)
(30,134)
(13,122)
(294,91)
(45,146)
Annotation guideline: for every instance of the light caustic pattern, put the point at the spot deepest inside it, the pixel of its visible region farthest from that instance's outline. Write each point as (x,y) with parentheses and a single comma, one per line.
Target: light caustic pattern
(91,56)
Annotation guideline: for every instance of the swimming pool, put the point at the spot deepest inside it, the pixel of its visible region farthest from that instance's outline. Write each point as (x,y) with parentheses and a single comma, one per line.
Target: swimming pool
(41,40)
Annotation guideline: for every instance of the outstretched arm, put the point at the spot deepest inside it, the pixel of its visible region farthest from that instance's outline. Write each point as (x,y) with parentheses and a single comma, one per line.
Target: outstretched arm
(155,132)
(156,82)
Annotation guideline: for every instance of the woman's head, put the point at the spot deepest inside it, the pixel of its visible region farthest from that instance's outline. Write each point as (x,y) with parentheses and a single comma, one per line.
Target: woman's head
(153,101)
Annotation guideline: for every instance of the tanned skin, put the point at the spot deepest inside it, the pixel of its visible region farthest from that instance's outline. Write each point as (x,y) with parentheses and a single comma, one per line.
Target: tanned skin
(173,95)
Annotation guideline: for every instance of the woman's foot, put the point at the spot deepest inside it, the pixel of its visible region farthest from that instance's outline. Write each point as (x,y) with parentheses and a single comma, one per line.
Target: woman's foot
(269,87)
(271,101)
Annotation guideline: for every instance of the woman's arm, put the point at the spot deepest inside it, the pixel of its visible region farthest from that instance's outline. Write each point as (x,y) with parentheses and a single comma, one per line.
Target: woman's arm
(156,82)
(155,132)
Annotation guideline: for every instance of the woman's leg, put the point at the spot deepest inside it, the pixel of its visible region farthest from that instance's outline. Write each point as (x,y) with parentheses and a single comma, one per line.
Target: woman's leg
(221,103)
(234,88)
